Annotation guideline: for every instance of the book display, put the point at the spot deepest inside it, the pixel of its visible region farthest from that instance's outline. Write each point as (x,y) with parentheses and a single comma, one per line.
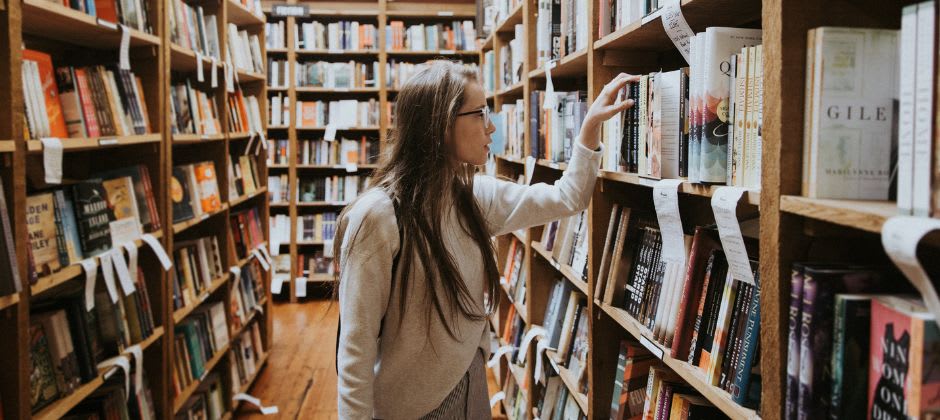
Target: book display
(812,113)
(134,140)
(331,100)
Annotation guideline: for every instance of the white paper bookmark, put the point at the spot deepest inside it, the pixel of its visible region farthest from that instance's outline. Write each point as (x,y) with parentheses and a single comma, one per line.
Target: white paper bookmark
(497,397)
(725,205)
(264,140)
(352,168)
(328,248)
(107,269)
(677,28)
(551,99)
(138,366)
(529,169)
(251,140)
(539,352)
(535,331)
(277,283)
(300,287)
(255,402)
(236,272)
(502,351)
(330,134)
(666,201)
(263,248)
(52,159)
(261,260)
(124,54)
(199,73)
(90,265)
(115,363)
(214,73)
(229,79)
(900,236)
(131,249)
(107,24)
(158,250)
(120,266)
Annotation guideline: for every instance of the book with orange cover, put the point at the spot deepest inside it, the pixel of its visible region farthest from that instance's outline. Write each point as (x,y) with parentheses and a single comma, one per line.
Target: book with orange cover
(50,91)
(106,10)
(308,116)
(88,105)
(208,187)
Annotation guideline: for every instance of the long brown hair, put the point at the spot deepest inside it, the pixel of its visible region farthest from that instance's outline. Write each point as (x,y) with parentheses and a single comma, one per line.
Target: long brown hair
(419,174)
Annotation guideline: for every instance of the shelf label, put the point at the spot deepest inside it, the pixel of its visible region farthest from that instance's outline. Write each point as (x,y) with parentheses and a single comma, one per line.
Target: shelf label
(330,134)
(52,159)
(539,356)
(107,269)
(448,52)
(255,402)
(138,354)
(652,347)
(536,331)
(328,248)
(107,24)
(300,287)
(90,265)
(214,73)
(277,283)
(115,363)
(725,205)
(502,351)
(261,260)
(158,250)
(107,142)
(677,28)
(666,201)
(124,55)
(529,169)
(900,236)
(199,73)
(290,10)
(229,78)
(131,249)
(445,13)
(497,397)
(120,266)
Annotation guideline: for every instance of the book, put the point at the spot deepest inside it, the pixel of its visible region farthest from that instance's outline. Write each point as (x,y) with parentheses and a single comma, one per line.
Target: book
(43,237)
(850,355)
(10,281)
(94,216)
(181,195)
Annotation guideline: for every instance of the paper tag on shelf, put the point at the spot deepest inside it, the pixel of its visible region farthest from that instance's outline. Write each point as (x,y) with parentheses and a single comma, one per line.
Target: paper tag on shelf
(539,352)
(264,140)
(652,347)
(90,265)
(529,169)
(131,249)
(115,363)
(277,283)
(677,28)
(352,167)
(900,236)
(124,54)
(666,200)
(138,354)
(236,271)
(445,13)
(255,402)
(229,78)
(551,99)
(535,331)
(330,134)
(158,250)
(725,205)
(328,248)
(300,287)
(107,269)
(214,73)
(497,397)
(107,142)
(448,52)
(107,24)
(120,266)
(52,159)
(261,260)
(199,73)
(502,351)
(263,248)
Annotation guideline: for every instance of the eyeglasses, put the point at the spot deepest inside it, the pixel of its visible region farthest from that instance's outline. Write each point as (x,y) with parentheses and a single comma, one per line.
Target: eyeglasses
(485,111)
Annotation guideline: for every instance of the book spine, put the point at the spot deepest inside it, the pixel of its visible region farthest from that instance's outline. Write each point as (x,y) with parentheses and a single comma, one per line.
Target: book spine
(806,395)
(748,353)
(793,347)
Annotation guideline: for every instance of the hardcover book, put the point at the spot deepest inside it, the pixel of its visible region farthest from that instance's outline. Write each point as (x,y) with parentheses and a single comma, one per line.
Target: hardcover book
(93,215)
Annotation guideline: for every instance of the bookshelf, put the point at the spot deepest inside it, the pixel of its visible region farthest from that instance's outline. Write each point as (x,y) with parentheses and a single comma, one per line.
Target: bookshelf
(74,38)
(378,13)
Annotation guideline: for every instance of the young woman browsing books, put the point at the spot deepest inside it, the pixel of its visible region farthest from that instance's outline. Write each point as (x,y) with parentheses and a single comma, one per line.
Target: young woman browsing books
(418,271)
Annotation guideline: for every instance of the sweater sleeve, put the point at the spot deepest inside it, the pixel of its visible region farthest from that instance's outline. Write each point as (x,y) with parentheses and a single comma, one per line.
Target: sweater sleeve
(508,206)
(364,287)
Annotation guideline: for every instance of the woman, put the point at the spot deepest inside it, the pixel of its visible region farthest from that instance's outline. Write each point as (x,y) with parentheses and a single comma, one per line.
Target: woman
(416,258)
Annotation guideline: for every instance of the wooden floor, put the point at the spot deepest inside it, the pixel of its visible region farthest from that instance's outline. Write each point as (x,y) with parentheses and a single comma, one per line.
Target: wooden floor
(300,375)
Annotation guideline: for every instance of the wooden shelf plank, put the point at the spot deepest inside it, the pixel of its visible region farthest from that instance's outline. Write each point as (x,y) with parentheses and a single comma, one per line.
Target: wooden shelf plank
(361,128)
(417,14)
(183,59)
(565,270)
(512,92)
(336,167)
(514,18)
(717,396)
(510,159)
(277,50)
(52,20)
(569,379)
(455,53)
(9,300)
(279,205)
(183,226)
(94,143)
(183,312)
(241,16)
(324,90)
(320,278)
(59,408)
(571,66)
(180,399)
(751,197)
(250,76)
(648,34)
(488,42)
(324,204)
(248,197)
(239,135)
(196,138)
(337,52)
(68,273)
(7,146)
(858,214)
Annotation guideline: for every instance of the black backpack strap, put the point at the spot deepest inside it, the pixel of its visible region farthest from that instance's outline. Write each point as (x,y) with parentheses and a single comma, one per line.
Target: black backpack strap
(395,259)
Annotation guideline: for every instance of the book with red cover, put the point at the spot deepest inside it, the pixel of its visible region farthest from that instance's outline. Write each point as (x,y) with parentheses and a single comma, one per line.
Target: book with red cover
(50,91)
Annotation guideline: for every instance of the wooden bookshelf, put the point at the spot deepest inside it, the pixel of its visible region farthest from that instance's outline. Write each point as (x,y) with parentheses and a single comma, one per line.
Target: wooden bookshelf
(181,314)
(181,227)
(7,146)
(180,399)
(96,143)
(237,201)
(572,65)
(196,138)
(751,197)
(58,22)
(241,16)
(868,216)
(9,300)
(565,270)
(508,25)
(569,379)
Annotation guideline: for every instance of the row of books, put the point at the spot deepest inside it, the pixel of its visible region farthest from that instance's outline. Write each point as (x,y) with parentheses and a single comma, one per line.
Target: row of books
(245,357)
(194,191)
(856,347)
(515,273)
(510,128)
(248,295)
(494,13)
(343,152)
(278,73)
(207,402)
(561,29)
(566,321)
(198,265)
(515,401)
(698,312)
(110,401)
(567,240)
(275,34)
(336,36)
(247,233)
(278,152)
(278,189)
(346,75)
(10,281)
(315,263)
(67,342)
(397,73)
(244,113)
(317,227)
(430,37)
(512,58)
(555,130)
(555,401)
(339,114)
(244,50)
(85,219)
(488,71)
(193,111)
(616,14)
(88,101)
(193,28)
(243,178)
(336,188)
(131,13)
(197,339)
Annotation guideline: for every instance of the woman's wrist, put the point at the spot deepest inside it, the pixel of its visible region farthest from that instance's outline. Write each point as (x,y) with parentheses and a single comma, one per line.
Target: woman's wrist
(591,134)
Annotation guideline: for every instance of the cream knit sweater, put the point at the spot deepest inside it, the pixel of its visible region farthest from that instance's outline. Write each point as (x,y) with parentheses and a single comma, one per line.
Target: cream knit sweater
(408,370)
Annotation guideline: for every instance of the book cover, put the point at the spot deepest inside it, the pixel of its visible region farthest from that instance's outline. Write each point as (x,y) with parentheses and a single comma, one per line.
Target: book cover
(208,187)
(850,354)
(42,382)
(41,227)
(72,239)
(180,195)
(9,272)
(50,92)
(122,200)
(93,215)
